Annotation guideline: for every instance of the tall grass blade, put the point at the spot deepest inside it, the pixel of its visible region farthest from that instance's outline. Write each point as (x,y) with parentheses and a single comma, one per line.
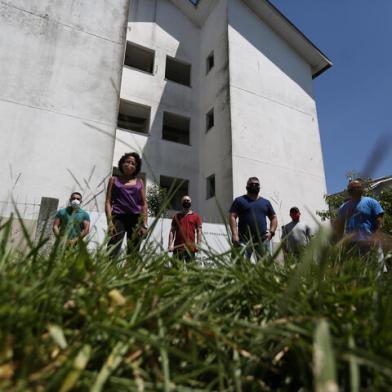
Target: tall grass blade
(78,366)
(324,369)
(111,364)
(354,368)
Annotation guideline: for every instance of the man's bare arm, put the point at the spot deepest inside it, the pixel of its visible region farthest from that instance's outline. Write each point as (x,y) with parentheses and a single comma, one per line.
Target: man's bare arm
(198,235)
(86,229)
(171,239)
(273,226)
(56,227)
(233,227)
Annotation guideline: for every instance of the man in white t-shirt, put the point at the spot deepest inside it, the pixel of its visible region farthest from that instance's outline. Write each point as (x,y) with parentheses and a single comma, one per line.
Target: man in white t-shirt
(296,235)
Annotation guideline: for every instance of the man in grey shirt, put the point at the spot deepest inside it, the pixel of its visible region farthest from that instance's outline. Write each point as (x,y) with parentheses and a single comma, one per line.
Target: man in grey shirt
(296,234)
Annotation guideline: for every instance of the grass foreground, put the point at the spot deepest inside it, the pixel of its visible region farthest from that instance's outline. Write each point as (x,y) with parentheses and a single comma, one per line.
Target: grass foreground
(75,320)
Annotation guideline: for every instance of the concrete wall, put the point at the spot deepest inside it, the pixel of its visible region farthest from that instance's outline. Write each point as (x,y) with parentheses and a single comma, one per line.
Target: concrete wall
(215,145)
(60,72)
(275,132)
(215,236)
(151,24)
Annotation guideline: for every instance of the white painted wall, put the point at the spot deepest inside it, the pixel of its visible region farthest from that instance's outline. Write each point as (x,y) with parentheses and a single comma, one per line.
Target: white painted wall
(60,72)
(275,134)
(215,145)
(151,25)
(215,236)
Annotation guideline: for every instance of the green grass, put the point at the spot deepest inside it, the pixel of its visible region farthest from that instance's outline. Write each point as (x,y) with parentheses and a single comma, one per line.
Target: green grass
(74,320)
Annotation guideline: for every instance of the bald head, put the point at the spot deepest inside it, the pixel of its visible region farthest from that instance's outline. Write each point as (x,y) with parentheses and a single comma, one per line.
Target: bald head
(186,198)
(186,202)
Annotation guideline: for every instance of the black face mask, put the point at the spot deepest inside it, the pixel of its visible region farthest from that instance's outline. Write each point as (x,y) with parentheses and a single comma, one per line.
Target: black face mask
(186,204)
(253,188)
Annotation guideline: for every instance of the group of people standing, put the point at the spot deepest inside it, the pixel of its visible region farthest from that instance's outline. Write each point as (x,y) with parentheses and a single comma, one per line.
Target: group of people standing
(360,218)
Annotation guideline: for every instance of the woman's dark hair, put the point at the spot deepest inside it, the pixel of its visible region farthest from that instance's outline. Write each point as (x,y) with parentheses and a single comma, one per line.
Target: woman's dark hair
(137,159)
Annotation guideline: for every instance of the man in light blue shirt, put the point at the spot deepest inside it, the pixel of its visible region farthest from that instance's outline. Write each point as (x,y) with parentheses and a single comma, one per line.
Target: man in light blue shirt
(360,218)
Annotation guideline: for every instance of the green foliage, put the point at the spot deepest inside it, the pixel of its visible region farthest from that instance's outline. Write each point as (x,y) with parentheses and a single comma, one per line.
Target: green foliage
(157,199)
(334,202)
(385,198)
(76,320)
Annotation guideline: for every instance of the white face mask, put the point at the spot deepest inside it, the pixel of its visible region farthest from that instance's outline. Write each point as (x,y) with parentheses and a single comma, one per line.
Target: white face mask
(74,203)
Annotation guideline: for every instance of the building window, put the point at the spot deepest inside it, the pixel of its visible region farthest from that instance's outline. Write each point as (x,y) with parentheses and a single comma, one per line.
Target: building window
(175,128)
(210,186)
(210,62)
(139,57)
(133,116)
(176,189)
(210,119)
(178,71)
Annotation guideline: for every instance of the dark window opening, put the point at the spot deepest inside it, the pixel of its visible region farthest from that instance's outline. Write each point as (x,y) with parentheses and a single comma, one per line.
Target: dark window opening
(134,117)
(176,189)
(210,61)
(139,57)
(210,119)
(178,71)
(175,128)
(211,186)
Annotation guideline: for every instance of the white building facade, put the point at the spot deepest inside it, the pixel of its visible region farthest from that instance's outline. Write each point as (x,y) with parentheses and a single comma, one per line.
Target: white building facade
(223,90)
(209,92)
(60,73)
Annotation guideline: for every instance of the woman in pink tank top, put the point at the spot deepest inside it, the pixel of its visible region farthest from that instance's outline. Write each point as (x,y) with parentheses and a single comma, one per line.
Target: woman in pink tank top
(126,205)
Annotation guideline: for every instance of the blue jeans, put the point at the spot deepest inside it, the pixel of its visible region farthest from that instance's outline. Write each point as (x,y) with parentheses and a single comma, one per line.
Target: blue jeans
(259,248)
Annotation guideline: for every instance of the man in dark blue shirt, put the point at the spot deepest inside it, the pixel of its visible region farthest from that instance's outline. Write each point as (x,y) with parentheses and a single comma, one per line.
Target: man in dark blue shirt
(251,210)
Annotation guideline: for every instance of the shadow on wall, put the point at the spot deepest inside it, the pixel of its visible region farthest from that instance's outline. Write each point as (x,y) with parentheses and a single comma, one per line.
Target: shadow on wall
(173,128)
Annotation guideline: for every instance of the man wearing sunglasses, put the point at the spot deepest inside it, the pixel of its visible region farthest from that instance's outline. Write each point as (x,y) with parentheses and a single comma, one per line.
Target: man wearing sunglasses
(252,212)
(72,221)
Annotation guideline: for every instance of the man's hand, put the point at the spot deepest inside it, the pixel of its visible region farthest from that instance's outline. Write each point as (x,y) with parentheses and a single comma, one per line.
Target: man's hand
(171,248)
(270,234)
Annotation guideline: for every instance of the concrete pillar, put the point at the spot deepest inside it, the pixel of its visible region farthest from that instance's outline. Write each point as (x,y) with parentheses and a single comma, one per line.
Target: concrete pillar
(47,211)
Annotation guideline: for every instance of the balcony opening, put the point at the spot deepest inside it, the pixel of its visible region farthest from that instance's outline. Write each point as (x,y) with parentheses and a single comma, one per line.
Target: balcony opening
(210,119)
(176,188)
(210,186)
(139,57)
(176,128)
(134,117)
(210,62)
(178,71)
